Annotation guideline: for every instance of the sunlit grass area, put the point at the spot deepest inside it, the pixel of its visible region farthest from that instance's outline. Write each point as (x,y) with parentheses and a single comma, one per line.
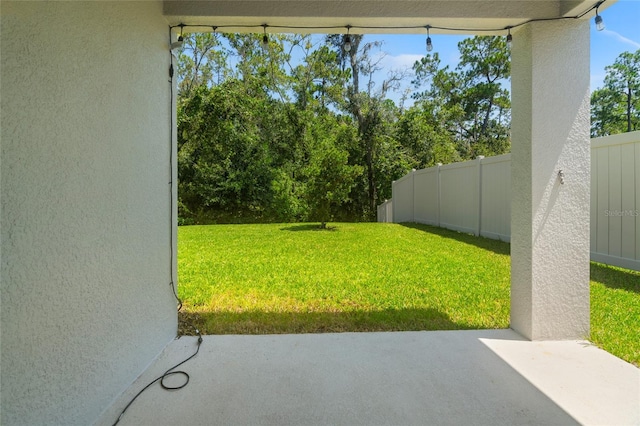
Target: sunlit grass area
(615,311)
(295,278)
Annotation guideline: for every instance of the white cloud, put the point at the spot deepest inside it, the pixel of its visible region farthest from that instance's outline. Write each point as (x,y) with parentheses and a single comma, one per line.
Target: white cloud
(622,39)
(400,62)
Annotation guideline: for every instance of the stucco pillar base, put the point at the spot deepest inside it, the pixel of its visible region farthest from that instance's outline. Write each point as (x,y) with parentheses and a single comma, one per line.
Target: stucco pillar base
(550,214)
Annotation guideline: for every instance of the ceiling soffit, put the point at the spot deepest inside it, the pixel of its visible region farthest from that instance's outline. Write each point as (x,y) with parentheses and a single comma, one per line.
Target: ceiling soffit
(373,16)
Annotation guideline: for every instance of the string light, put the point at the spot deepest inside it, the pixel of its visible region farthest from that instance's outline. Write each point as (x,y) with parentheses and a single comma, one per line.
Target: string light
(347,45)
(178,44)
(598,20)
(265,38)
(347,40)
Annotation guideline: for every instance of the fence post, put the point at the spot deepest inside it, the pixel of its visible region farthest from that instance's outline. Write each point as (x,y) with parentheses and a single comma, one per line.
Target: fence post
(438,193)
(479,213)
(413,195)
(393,196)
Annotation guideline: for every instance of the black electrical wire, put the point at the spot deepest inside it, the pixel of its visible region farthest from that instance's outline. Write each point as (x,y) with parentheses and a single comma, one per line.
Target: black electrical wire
(171,218)
(170,371)
(399,27)
(161,378)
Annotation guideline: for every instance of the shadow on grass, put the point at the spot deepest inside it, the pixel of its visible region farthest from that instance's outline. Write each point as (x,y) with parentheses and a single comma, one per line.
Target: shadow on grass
(496,246)
(260,322)
(308,227)
(615,278)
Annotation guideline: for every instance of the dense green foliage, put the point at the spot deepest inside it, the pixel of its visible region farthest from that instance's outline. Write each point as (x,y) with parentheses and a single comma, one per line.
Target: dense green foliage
(615,108)
(291,278)
(467,109)
(302,130)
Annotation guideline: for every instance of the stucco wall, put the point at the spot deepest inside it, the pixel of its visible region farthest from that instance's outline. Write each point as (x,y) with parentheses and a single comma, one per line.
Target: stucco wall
(85,139)
(550,219)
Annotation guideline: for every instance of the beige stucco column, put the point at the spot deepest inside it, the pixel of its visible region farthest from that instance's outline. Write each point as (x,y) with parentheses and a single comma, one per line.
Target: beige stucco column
(550,214)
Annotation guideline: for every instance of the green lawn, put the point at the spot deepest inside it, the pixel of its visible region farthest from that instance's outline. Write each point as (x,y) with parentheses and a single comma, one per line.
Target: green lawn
(294,278)
(615,311)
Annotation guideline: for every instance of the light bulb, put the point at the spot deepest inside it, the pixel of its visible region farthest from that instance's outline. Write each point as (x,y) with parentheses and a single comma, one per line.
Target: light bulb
(178,44)
(599,23)
(509,40)
(429,44)
(347,44)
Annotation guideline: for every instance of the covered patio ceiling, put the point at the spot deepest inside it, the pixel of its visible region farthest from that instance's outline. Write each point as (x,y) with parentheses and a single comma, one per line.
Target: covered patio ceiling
(372,16)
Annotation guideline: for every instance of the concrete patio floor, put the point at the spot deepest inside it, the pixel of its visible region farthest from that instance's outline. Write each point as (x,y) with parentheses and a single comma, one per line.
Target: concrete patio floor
(478,377)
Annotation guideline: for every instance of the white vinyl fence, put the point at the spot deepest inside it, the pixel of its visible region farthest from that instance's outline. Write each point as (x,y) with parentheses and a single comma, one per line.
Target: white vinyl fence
(615,200)
(385,211)
(475,197)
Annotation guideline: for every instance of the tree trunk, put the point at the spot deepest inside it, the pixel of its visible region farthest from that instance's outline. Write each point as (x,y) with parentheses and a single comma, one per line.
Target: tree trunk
(371,178)
(353,60)
(485,122)
(629,107)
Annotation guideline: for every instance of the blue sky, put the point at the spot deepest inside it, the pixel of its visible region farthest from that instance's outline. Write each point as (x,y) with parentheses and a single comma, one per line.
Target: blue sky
(622,34)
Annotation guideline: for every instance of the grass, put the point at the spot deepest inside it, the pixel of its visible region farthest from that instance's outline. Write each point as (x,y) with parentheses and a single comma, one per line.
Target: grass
(294,278)
(355,277)
(615,311)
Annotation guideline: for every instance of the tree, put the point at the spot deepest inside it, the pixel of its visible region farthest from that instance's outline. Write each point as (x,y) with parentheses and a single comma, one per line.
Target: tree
(330,180)
(318,79)
(373,117)
(470,99)
(201,62)
(424,135)
(223,163)
(300,129)
(616,107)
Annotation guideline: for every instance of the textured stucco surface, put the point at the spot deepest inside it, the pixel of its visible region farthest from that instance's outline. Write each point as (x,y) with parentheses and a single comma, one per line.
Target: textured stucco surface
(549,222)
(86,302)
